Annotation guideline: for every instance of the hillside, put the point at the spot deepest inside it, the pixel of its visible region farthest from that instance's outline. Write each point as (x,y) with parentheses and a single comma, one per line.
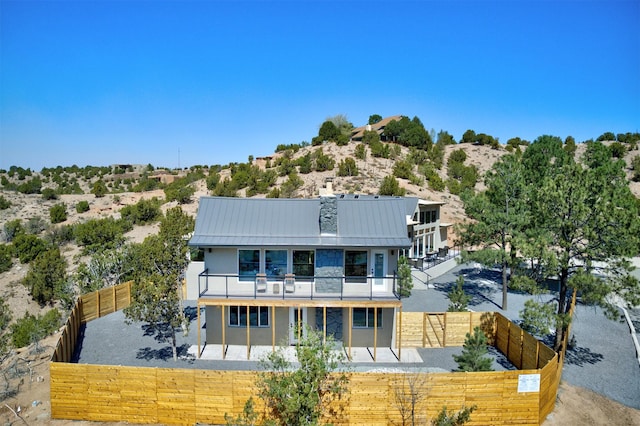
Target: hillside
(372,171)
(371,174)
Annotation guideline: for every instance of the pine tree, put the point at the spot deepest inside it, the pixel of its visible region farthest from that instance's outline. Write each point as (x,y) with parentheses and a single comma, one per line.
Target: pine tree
(405,281)
(458,299)
(473,353)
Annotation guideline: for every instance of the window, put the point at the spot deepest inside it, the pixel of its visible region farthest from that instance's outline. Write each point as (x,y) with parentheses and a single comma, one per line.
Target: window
(275,263)
(434,216)
(304,263)
(248,264)
(355,266)
(258,316)
(363,317)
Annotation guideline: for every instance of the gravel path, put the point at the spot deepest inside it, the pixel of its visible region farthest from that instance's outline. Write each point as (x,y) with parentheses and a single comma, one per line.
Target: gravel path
(603,360)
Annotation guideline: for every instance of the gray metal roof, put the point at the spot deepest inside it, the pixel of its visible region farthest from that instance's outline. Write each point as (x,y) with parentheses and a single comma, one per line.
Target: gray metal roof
(367,222)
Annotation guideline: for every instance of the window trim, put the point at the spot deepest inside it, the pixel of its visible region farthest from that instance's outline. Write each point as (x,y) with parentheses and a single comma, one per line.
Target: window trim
(271,276)
(313,264)
(243,277)
(356,279)
(368,325)
(241,309)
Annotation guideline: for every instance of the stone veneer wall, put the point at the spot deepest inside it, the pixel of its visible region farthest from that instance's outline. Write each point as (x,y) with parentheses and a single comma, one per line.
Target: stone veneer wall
(334,322)
(329,264)
(328,215)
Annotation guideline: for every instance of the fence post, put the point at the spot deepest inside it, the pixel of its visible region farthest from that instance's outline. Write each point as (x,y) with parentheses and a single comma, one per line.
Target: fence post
(424,329)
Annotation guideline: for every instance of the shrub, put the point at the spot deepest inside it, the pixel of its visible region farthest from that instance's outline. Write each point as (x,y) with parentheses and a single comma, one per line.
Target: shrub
(6,255)
(12,229)
(416,180)
(457,156)
(35,225)
(4,203)
(390,186)
(617,150)
(30,329)
(31,186)
(5,318)
(59,235)
(454,186)
(99,234)
(82,206)
(361,152)
(58,213)
(146,184)
(323,162)
(143,212)
(403,169)
(28,246)
(179,191)
(347,167)
(379,149)
(212,180)
(49,194)
(635,165)
(47,276)
(446,418)
(99,189)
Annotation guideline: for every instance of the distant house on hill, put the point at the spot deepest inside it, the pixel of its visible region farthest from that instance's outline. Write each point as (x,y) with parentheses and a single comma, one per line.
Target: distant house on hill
(358,132)
(165,176)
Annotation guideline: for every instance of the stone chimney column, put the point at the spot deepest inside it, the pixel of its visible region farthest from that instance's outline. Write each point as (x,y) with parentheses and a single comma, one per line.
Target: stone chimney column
(328,215)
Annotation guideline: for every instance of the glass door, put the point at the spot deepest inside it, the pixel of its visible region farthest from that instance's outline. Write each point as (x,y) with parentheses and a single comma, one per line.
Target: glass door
(379,271)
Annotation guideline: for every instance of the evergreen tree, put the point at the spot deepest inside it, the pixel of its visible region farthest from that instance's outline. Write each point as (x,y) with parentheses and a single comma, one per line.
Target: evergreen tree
(474,351)
(405,281)
(458,299)
(390,186)
(47,276)
(499,214)
(161,261)
(585,213)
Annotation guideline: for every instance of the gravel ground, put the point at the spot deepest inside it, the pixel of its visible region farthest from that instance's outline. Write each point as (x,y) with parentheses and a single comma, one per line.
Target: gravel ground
(603,359)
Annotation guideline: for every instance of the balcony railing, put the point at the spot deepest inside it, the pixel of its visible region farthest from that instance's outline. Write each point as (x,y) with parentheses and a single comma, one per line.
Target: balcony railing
(290,287)
(434,258)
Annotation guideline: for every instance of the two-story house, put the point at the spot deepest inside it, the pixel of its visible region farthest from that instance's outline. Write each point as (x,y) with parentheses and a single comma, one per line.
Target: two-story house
(272,266)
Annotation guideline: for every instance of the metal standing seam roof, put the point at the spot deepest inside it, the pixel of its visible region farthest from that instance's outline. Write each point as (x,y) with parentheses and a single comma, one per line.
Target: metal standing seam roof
(371,222)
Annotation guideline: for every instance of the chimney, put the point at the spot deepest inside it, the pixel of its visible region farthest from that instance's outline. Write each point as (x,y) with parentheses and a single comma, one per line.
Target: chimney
(328,215)
(327,188)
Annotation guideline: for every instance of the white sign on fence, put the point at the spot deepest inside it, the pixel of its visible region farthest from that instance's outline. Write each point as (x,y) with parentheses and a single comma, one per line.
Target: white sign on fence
(528,383)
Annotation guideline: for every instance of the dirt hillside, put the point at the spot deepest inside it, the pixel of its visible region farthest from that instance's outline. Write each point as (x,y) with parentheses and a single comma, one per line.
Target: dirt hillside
(32,368)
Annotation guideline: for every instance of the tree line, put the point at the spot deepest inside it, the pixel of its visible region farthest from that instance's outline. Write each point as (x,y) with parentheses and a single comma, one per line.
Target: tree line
(546,214)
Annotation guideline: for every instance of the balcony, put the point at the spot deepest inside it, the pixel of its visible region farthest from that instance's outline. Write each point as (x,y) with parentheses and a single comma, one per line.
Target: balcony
(222,286)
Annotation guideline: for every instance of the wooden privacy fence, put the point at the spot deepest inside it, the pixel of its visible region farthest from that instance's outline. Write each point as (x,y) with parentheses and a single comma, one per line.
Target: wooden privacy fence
(172,396)
(87,308)
(189,396)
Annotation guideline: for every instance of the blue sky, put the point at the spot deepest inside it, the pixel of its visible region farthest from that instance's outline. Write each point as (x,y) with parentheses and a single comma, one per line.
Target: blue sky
(210,82)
